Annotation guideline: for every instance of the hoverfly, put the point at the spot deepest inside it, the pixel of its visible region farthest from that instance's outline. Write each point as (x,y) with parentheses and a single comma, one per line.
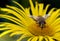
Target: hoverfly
(40,20)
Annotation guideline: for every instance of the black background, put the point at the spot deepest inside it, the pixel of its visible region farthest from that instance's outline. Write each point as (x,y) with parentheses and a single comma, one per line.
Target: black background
(54,3)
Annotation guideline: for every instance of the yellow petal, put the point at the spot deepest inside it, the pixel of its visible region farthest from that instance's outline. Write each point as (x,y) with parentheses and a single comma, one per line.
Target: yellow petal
(51,11)
(57,28)
(26,34)
(30,39)
(34,38)
(40,38)
(20,12)
(56,22)
(41,6)
(50,38)
(21,8)
(9,11)
(14,27)
(23,20)
(27,12)
(18,4)
(54,15)
(16,33)
(10,18)
(6,32)
(36,9)
(46,39)
(57,36)
(23,15)
(4,28)
(32,7)
(45,10)
(23,36)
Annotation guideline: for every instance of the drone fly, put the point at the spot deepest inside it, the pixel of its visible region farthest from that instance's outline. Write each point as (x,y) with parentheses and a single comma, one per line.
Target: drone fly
(40,20)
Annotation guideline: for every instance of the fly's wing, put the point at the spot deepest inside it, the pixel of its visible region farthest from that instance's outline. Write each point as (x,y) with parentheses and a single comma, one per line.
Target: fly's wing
(33,17)
(46,16)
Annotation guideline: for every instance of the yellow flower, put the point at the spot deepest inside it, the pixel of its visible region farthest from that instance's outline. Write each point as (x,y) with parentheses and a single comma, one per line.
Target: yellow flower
(26,24)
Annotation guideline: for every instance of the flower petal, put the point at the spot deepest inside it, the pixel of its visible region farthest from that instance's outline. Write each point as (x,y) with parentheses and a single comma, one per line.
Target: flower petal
(50,38)
(30,39)
(6,32)
(23,36)
(36,9)
(51,11)
(13,19)
(55,23)
(32,7)
(56,36)
(18,4)
(54,15)
(34,38)
(41,6)
(40,38)
(45,10)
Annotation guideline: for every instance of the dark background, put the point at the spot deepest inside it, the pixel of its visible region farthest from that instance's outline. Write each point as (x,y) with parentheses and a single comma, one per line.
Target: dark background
(25,3)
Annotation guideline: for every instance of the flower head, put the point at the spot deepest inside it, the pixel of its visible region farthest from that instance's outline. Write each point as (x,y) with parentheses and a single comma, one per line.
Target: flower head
(38,27)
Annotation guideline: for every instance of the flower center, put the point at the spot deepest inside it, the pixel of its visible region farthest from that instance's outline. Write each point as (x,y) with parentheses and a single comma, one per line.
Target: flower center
(36,30)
